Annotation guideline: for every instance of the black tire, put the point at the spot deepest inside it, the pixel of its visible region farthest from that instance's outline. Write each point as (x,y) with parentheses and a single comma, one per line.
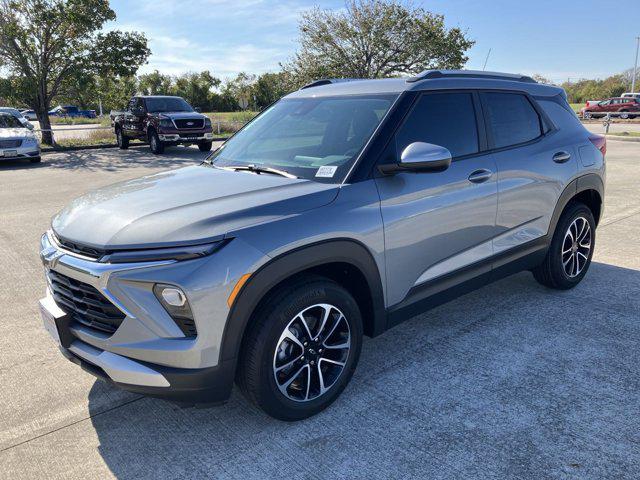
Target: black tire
(123,141)
(256,368)
(624,114)
(552,271)
(205,146)
(157,147)
(35,160)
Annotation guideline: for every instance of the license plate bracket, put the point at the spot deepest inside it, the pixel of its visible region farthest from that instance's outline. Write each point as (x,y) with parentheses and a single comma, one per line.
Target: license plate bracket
(10,153)
(56,322)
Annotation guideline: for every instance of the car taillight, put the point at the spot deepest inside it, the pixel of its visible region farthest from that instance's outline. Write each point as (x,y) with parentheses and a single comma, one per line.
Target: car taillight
(600,142)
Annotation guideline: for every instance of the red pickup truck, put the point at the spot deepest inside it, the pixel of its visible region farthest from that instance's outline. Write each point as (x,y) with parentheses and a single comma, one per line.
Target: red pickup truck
(622,106)
(162,121)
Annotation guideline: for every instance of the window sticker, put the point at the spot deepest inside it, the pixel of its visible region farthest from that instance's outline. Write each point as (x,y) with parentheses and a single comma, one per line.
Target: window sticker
(328,171)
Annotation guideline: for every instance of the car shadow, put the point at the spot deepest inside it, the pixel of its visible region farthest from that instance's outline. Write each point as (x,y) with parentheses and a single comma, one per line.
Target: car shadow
(512,380)
(111,159)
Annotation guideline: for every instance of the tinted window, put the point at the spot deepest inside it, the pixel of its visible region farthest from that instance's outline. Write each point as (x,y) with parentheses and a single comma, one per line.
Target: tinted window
(512,119)
(445,119)
(167,104)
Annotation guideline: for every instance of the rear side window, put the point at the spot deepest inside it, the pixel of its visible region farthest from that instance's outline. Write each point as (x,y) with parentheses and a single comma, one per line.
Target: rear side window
(445,119)
(511,118)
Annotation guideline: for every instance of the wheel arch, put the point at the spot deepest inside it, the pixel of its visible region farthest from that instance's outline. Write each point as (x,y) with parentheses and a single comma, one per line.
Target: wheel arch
(345,261)
(588,189)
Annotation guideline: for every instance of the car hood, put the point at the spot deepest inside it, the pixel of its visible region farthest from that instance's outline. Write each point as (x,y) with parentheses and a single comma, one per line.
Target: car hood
(188,205)
(178,115)
(15,133)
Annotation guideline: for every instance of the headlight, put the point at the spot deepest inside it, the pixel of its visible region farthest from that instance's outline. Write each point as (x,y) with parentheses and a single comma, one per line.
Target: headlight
(207,122)
(188,252)
(166,123)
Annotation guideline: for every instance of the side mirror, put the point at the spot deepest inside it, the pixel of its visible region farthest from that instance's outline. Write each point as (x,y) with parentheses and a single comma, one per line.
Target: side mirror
(420,157)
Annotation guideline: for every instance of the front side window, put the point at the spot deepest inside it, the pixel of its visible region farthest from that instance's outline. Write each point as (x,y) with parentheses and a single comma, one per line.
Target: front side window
(444,119)
(512,119)
(313,138)
(9,121)
(167,104)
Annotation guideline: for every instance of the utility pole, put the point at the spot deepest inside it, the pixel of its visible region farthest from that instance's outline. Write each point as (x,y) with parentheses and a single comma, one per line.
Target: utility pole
(635,67)
(486,60)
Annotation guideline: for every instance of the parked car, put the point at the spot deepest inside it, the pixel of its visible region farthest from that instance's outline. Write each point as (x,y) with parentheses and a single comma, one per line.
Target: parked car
(163,121)
(630,95)
(623,106)
(16,140)
(338,212)
(71,112)
(29,115)
(16,113)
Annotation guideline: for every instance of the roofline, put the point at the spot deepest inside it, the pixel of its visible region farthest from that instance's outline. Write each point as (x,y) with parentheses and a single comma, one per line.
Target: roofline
(433,74)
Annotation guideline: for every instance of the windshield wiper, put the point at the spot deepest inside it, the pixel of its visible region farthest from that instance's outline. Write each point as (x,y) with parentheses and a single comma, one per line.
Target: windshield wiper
(257,169)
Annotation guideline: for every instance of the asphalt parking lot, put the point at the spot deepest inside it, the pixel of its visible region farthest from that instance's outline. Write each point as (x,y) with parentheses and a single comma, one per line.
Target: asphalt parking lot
(511,381)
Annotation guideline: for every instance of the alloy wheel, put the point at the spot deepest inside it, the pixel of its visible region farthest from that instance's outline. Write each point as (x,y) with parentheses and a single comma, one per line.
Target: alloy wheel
(576,247)
(312,352)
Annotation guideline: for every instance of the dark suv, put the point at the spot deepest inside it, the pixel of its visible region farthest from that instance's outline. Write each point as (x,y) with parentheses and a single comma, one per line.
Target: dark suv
(338,212)
(163,121)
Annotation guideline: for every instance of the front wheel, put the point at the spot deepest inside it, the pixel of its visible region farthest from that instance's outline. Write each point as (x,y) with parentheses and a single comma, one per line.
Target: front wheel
(157,147)
(302,350)
(123,142)
(205,146)
(624,115)
(569,255)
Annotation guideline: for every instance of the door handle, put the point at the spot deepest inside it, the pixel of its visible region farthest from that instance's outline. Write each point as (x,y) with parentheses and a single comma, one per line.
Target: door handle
(561,157)
(480,176)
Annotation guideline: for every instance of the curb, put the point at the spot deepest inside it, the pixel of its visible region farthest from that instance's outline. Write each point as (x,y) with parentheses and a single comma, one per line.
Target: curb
(621,138)
(108,145)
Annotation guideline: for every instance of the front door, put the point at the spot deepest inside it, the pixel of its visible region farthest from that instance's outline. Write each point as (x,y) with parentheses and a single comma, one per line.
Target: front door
(438,222)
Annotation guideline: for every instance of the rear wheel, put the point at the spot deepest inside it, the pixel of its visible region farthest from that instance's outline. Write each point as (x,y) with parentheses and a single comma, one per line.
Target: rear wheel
(205,146)
(123,142)
(157,147)
(624,114)
(569,255)
(302,350)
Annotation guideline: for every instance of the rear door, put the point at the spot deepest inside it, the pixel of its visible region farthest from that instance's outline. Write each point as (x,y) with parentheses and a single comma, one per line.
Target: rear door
(535,163)
(438,222)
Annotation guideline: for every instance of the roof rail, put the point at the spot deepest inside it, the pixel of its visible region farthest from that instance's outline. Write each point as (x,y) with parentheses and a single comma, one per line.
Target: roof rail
(431,74)
(327,81)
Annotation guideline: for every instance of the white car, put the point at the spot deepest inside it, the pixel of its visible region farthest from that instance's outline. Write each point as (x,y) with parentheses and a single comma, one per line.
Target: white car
(29,115)
(629,94)
(16,140)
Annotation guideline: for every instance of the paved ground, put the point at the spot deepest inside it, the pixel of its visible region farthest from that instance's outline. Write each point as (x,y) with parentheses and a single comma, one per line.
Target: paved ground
(511,381)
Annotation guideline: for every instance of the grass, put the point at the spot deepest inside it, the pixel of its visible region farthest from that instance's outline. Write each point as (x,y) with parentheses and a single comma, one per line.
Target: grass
(625,134)
(243,117)
(104,121)
(576,106)
(99,137)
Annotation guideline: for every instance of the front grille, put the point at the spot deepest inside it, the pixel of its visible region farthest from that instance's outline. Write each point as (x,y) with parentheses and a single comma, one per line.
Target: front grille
(10,143)
(80,249)
(184,123)
(84,303)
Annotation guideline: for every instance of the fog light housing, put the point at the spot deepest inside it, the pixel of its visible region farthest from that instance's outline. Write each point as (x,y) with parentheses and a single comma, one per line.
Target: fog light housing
(177,306)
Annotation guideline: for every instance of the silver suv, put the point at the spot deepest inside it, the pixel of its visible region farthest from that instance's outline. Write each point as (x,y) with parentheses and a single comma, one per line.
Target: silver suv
(340,211)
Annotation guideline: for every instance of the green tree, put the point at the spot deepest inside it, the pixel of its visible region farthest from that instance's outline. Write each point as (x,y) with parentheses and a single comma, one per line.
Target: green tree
(270,87)
(47,44)
(375,39)
(155,83)
(196,88)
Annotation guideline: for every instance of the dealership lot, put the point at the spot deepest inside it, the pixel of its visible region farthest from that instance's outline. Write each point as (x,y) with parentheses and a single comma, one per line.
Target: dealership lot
(510,381)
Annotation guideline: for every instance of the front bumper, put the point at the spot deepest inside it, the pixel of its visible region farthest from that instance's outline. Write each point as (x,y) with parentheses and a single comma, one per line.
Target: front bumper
(185,137)
(148,353)
(32,151)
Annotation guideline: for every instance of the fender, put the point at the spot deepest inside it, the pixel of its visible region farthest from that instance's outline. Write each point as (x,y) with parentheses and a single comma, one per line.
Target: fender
(590,181)
(290,263)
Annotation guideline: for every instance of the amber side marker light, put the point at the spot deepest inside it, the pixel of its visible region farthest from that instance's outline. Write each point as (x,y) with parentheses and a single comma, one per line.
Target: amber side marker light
(234,293)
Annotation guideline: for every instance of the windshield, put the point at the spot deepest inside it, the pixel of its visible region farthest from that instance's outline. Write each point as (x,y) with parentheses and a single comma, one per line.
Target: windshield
(167,104)
(9,121)
(312,138)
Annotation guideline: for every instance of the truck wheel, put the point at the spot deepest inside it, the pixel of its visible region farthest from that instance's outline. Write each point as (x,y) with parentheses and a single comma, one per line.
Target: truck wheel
(157,147)
(302,349)
(571,249)
(123,142)
(205,146)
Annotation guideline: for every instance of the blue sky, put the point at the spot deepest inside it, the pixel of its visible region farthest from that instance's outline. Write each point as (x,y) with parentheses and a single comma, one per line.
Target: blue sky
(559,39)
